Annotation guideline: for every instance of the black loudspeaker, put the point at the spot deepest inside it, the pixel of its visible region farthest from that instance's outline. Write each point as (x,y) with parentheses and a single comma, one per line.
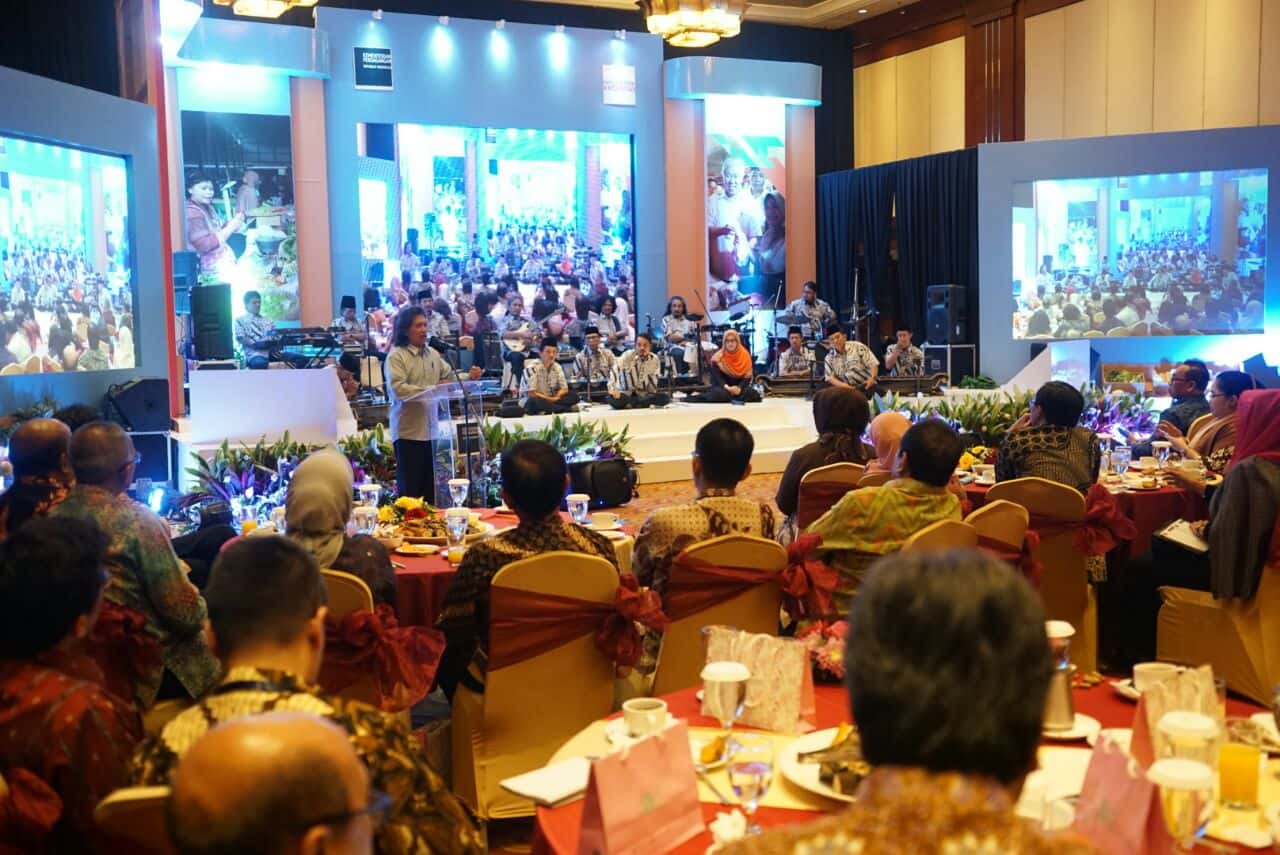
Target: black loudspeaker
(142,404)
(186,275)
(211,322)
(956,361)
(947,317)
(157,457)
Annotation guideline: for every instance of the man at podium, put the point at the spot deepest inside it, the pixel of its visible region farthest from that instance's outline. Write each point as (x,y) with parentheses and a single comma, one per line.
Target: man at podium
(411,369)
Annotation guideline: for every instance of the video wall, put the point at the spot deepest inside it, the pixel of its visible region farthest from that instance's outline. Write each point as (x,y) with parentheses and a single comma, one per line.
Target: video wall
(442,201)
(746,201)
(67,288)
(1161,254)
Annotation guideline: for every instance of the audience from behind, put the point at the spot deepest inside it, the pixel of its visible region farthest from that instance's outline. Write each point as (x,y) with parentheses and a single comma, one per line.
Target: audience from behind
(840,415)
(145,575)
(317,507)
(947,668)
(270,784)
(39,451)
(62,735)
(266,611)
(74,416)
(1048,443)
(534,481)
(875,521)
(721,459)
(1212,439)
(885,433)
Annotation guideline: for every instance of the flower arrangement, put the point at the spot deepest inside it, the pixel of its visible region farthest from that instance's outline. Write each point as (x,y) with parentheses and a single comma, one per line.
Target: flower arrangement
(825,642)
(404,509)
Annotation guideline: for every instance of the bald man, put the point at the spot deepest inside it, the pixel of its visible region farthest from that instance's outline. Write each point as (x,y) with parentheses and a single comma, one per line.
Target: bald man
(273,784)
(42,477)
(145,576)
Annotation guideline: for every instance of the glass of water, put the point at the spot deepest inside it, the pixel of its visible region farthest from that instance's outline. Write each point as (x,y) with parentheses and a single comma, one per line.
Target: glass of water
(750,765)
(458,488)
(1120,458)
(366,519)
(579,505)
(1161,449)
(1186,797)
(278,518)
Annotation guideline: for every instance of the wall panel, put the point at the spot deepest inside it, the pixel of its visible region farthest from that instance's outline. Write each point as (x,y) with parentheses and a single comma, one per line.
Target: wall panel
(1130,67)
(861,118)
(1269,82)
(1178,84)
(1045,72)
(909,105)
(1084,112)
(946,90)
(883,86)
(913,103)
(1232,44)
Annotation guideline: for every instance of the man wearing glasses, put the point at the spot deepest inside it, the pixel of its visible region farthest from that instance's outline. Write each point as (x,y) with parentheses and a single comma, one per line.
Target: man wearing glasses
(1187,385)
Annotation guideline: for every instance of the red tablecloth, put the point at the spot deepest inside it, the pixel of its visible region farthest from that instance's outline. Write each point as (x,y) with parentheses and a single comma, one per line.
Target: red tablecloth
(1150,510)
(556,829)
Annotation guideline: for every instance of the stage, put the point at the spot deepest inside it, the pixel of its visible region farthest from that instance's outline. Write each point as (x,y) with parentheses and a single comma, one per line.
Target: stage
(662,439)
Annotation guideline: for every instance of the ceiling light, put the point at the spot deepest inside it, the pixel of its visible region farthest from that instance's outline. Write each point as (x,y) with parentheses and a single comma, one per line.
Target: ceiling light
(444,20)
(693,23)
(862,11)
(264,8)
(377,14)
(560,29)
(501,23)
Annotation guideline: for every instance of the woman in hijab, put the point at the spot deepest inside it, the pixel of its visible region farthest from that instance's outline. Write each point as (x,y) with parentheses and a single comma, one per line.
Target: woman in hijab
(317,508)
(885,434)
(1238,533)
(840,415)
(731,372)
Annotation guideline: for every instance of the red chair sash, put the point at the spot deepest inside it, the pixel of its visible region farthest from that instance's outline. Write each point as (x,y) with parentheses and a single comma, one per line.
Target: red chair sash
(1103,528)
(525,624)
(29,812)
(1024,559)
(123,648)
(401,659)
(816,498)
(807,583)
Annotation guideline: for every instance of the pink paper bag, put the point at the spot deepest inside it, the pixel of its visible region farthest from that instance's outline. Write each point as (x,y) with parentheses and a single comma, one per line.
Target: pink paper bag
(780,692)
(1119,809)
(643,799)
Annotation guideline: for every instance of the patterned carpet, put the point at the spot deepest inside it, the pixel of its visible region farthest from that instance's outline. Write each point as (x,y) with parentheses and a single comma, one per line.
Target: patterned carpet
(653,496)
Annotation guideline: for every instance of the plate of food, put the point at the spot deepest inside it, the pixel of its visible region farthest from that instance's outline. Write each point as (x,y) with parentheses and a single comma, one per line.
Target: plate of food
(826,762)
(430,530)
(709,753)
(1144,484)
(417,549)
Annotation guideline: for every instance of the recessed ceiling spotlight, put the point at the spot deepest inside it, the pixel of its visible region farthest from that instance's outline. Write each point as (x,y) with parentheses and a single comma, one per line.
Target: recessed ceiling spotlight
(377,14)
(501,24)
(444,20)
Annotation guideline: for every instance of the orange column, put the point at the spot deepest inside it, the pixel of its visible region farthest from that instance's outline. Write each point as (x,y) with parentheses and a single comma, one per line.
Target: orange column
(802,226)
(686,160)
(311,199)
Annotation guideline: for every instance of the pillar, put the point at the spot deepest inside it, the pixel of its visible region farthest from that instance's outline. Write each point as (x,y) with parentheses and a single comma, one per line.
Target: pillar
(311,199)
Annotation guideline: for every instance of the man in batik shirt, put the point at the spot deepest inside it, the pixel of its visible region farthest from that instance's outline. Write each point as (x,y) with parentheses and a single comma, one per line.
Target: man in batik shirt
(144,574)
(944,765)
(904,359)
(850,364)
(818,314)
(267,610)
(534,479)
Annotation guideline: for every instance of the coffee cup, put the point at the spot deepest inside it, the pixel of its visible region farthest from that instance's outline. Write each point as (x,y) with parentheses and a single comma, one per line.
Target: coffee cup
(1147,674)
(644,716)
(604,519)
(1146,463)
(985,472)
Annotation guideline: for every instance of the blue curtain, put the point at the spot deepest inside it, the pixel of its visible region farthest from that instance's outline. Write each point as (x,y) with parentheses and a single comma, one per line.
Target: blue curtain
(855,212)
(937,230)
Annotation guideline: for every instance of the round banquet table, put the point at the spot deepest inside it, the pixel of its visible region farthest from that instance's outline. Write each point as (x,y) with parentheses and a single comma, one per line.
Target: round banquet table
(556,829)
(423,580)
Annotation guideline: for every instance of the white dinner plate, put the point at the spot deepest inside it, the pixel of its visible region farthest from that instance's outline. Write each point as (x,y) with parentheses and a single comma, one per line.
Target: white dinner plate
(805,775)
(1125,689)
(1084,727)
(615,527)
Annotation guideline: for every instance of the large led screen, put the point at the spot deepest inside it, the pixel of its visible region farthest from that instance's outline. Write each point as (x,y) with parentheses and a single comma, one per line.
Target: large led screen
(1170,254)
(66,269)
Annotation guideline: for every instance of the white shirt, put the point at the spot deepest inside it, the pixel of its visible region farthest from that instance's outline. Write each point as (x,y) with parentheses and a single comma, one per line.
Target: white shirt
(409,371)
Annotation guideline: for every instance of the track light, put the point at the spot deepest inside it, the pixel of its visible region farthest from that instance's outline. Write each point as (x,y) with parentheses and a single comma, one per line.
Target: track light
(501,24)
(377,14)
(444,20)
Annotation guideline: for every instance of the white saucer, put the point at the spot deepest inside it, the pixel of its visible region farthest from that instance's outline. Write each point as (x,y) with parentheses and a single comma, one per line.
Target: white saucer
(1121,736)
(1125,689)
(984,482)
(1084,727)
(615,527)
(615,731)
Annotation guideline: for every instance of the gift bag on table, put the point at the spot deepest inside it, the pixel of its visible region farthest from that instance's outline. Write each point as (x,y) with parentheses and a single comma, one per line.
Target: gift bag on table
(1119,808)
(780,691)
(643,799)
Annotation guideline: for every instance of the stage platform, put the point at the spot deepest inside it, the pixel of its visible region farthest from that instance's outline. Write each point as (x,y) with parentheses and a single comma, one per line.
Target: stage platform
(662,439)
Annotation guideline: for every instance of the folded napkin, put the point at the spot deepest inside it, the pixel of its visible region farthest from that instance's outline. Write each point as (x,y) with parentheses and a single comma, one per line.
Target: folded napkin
(552,784)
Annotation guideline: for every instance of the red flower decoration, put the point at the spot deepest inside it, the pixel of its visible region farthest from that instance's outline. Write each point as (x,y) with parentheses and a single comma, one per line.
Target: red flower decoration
(415,514)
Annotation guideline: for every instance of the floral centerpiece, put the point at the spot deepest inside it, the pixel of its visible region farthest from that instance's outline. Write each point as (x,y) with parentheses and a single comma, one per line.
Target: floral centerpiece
(404,509)
(825,642)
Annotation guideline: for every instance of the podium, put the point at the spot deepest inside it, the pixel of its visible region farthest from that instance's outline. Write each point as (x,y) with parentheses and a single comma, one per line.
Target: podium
(455,418)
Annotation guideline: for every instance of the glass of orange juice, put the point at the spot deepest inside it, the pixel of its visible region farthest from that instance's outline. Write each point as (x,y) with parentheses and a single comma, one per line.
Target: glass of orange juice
(1238,767)
(248,525)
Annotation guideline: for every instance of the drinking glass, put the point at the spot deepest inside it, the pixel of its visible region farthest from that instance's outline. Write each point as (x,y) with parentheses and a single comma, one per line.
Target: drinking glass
(1161,450)
(1238,771)
(1120,457)
(455,527)
(1186,797)
(1104,443)
(278,518)
(370,492)
(724,691)
(750,765)
(458,488)
(366,519)
(1188,736)
(579,505)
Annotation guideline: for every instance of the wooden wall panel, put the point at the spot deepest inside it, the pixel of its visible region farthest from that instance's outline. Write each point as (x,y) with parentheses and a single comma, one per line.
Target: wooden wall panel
(1269,83)
(946,90)
(1045,67)
(883,85)
(1177,102)
(1084,110)
(861,117)
(1130,37)
(913,103)
(1232,41)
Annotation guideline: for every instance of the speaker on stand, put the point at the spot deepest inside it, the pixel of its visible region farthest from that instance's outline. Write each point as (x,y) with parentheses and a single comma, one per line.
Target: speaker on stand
(141,407)
(946,315)
(211,329)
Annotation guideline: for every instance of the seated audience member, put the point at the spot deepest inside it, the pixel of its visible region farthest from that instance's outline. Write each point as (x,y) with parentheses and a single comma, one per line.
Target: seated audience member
(875,521)
(266,613)
(904,359)
(544,388)
(721,459)
(1048,443)
(42,476)
(534,481)
(885,432)
(317,508)
(1213,440)
(61,733)
(850,364)
(76,415)
(271,784)
(731,373)
(145,574)
(840,415)
(1187,385)
(1242,520)
(634,381)
(948,668)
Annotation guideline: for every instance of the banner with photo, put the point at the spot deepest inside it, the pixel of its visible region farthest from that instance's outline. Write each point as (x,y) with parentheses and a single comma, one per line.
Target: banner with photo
(746,202)
(239,209)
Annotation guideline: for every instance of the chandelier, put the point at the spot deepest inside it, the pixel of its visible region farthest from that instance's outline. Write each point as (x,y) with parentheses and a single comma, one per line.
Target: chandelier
(693,23)
(264,8)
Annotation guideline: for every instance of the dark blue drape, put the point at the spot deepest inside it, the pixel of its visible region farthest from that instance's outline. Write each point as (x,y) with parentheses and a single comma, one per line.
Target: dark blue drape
(855,210)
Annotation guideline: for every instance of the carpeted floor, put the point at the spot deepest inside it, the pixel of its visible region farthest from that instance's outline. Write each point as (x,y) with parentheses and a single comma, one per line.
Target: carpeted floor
(653,496)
